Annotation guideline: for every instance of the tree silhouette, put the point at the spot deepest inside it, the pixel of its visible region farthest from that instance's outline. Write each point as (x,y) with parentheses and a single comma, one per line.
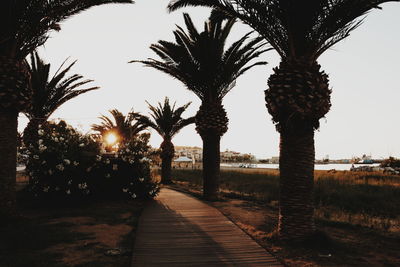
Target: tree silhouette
(49,93)
(298,95)
(167,121)
(200,61)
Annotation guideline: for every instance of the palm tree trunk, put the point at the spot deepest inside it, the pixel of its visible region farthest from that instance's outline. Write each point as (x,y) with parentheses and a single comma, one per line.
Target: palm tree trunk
(166,170)
(167,154)
(211,165)
(8,156)
(296,164)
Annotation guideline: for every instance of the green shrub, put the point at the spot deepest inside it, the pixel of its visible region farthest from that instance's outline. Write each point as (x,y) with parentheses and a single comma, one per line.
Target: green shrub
(125,173)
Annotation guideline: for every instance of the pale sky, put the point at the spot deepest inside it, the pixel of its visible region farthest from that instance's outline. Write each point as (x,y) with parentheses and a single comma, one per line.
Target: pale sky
(363,70)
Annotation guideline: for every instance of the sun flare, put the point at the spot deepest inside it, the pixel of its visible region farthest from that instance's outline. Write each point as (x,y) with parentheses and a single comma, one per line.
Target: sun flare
(111,138)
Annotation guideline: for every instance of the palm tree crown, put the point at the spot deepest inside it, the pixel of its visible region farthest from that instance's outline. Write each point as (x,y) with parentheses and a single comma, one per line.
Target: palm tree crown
(25,23)
(49,93)
(295,29)
(165,119)
(126,127)
(199,60)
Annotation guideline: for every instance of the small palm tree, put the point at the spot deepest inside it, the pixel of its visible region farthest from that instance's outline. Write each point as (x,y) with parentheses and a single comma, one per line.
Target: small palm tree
(167,121)
(49,93)
(298,95)
(123,127)
(24,26)
(200,61)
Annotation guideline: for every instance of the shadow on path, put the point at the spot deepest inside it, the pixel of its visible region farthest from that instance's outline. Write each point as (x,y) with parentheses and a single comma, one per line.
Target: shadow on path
(179,230)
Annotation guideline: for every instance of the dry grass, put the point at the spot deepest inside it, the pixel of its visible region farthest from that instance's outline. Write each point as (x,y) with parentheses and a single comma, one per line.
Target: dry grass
(359,198)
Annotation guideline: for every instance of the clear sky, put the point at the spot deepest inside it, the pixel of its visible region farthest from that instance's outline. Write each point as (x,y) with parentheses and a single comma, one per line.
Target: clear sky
(364,74)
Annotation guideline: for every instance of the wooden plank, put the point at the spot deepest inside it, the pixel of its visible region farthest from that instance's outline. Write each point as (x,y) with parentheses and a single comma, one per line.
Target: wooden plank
(179,230)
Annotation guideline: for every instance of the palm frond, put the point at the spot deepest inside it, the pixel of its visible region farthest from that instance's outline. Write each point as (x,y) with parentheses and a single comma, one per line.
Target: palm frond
(25,24)
(126,126)
(48,94)
(200,61)
(295,29)
(165,119)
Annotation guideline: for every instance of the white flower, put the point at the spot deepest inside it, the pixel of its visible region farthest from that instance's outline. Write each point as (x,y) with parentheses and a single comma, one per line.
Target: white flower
(42,148)
(81,145)
(55,139)
(76,163)
(35,156)
(98,158)
(70,182)
(141,180)
(127,150)
(131,161)
(46,189)
(107,161)
(108,175)
(124,190)
(82,186)
(40,141)
(133,195)
(40,132)
(61,138)
(67,161)
(50,172)
(60,167)
(68,192)
(43,162)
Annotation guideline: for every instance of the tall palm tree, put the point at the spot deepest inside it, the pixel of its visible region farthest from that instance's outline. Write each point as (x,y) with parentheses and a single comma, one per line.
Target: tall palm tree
(200,61)
(167,121)
(49,93)
(298,95)
(24,26)
(124,127)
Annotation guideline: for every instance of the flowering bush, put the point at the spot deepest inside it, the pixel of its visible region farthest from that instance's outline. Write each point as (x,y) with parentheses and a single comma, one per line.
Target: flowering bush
(57,162)
(65,164)
(127,171)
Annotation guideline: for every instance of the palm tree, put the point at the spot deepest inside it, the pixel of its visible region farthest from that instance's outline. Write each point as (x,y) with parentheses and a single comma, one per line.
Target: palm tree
(167,121)
(200,62)
(24,27)
(123,127)
(49,93)
(298,95)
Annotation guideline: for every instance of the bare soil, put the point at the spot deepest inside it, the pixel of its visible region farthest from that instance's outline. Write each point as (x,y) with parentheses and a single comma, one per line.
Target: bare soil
(99,233)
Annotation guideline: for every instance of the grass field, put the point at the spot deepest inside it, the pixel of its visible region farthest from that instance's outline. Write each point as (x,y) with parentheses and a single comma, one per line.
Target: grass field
(360,198)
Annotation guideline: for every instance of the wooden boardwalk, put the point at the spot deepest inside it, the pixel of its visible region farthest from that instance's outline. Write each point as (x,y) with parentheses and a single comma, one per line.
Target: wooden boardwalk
(179,230)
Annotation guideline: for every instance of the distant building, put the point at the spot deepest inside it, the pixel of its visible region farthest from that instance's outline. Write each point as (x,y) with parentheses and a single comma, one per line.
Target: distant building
(233,156)
(182,162)
(191,152)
